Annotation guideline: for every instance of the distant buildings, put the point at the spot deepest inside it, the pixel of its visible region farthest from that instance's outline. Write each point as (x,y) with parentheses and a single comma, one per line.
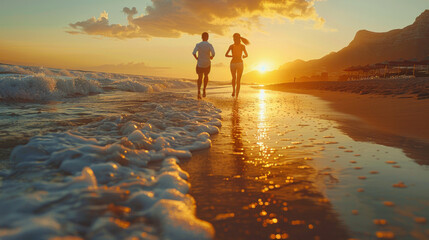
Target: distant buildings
(388,69)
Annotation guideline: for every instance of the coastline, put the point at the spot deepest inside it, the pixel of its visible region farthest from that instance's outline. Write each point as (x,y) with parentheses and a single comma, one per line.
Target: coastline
(385,119)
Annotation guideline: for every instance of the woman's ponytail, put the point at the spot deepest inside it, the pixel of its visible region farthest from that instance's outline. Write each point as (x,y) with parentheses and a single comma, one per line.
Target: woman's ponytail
(245,41)
(237,39)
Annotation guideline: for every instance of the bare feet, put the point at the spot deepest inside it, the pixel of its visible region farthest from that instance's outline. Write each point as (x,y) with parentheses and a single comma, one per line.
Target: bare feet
(233,94)
(204,93)
(199,95)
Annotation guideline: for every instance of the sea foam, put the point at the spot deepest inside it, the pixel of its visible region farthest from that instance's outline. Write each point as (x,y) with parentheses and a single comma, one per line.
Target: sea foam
(94,181)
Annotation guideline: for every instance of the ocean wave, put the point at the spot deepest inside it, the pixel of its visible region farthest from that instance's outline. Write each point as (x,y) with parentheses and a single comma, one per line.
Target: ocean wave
(14,69)
(143,84)
(41,87)
(50,83)
(137,86)
(94,182)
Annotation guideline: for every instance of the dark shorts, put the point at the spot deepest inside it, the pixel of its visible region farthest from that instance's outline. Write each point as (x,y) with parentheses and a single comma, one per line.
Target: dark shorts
(205,70)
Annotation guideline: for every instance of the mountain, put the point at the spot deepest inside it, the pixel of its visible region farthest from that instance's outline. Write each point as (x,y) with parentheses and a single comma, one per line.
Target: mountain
(411,42)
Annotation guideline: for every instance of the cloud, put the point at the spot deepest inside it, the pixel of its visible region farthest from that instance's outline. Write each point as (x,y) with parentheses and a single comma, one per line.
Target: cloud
(172,18)
(131,68)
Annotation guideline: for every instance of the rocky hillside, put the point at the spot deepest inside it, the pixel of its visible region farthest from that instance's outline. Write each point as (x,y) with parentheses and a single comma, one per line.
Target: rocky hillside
(367,47)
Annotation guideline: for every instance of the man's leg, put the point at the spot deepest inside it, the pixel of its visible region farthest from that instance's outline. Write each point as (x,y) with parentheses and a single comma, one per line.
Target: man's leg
(199,82)
(206,80)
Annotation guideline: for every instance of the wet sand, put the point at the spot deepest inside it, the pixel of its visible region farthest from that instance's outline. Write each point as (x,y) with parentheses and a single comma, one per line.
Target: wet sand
(250,187)
(281,168)
(404,87)
(397,121)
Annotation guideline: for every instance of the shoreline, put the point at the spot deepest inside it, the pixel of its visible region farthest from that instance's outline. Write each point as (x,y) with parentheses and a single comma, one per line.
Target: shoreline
(387,120)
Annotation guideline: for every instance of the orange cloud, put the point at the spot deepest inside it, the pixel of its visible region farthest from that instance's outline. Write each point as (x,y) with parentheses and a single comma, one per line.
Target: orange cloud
(166,18)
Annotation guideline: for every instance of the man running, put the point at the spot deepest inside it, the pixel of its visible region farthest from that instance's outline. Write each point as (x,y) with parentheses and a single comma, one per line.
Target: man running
(205,54)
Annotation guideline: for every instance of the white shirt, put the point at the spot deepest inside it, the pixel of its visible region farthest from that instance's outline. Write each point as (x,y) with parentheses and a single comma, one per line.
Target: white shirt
(204,49)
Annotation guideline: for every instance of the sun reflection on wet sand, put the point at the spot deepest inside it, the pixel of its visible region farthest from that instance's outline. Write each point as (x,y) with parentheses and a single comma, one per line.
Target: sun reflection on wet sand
(238,150)
(262,105)
(266,189)
(262,128)
(280,169)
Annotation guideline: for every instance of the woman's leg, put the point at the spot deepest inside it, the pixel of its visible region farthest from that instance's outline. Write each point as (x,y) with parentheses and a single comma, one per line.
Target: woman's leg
(239,74)
(233,73)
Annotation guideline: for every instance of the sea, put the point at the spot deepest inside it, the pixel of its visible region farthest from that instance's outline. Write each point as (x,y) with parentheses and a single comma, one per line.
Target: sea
(96,155)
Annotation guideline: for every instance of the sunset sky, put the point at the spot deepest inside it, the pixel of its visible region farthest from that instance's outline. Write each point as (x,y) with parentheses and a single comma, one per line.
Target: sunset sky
(157,36)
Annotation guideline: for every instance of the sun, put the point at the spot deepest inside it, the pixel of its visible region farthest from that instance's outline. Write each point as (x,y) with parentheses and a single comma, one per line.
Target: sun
(262,68)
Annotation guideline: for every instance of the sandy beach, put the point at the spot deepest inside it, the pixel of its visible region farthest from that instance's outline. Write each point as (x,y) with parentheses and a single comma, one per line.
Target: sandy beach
(390,112)
(278,149)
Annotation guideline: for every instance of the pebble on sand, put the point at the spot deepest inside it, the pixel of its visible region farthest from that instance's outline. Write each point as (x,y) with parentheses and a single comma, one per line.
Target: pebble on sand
(353,161)
(389,203)
(374,172)
(380,221)
(362,177)
(361,190)
(420,220)
(399,185)
(355,212)
(390,162)
(328,137)
(223,216)
(385,235)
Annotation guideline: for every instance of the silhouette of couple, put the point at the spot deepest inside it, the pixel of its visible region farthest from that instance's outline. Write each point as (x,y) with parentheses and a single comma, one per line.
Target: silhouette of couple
(206,53)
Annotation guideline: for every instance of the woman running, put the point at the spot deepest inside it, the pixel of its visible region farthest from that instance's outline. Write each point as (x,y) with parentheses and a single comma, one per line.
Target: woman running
(236,65)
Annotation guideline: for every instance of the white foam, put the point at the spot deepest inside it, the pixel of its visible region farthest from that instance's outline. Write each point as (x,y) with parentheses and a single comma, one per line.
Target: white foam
(182,225)
(95,180)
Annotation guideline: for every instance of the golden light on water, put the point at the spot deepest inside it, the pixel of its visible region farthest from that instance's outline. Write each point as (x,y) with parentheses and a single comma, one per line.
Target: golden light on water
(262,133)
(262,105)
